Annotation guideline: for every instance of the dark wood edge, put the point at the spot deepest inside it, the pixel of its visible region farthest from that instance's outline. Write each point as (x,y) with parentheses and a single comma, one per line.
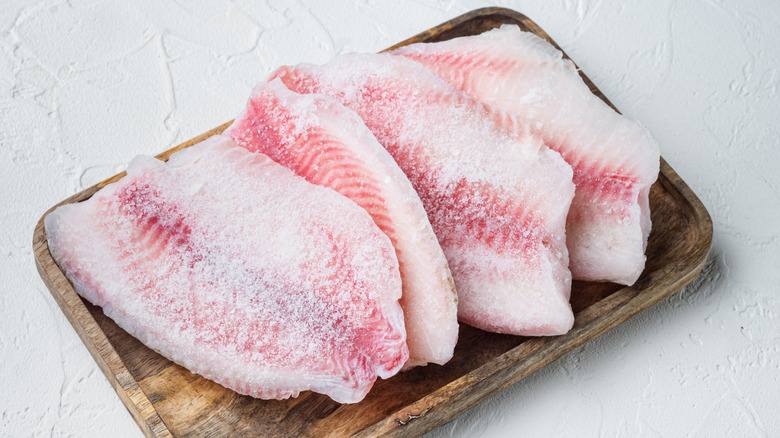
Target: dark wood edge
(507,14)
(126,387)
(594,321)
(468,16)
(485,381)
(437,408)
(98,345)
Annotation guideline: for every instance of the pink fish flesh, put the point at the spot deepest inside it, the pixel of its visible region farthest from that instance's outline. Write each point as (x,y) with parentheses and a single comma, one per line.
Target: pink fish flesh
(614,158)
(234,267)
(329,145)
(496,196)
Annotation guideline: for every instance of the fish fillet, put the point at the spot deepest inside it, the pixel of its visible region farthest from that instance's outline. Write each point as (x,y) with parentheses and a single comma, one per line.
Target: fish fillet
(615,160)
(232,266)
(329,145)
(496,196)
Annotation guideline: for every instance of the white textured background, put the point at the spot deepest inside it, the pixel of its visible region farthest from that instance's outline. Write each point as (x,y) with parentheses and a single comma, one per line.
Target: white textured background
(86,85)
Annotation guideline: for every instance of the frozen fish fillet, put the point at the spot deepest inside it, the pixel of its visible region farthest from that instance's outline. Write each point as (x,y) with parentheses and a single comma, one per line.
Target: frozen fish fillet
(328,144)
(496,196)
(232,266)
(615,159)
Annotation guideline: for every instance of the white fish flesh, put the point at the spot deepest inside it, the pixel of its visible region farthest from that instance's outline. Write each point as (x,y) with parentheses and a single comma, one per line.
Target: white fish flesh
(496,196)
(329,145)
(615,160)
(232,266)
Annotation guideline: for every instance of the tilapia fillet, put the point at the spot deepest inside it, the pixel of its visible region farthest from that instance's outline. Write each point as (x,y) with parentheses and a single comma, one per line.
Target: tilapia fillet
(230,265)
(614,158)
(496,196)
(329,145)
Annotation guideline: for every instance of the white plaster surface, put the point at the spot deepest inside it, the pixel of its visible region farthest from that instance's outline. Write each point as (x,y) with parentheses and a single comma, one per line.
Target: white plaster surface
(85,85)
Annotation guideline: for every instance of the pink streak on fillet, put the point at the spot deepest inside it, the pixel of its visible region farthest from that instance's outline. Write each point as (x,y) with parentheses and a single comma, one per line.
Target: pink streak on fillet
(496,197)
(615,160)
(329,145)
(235,268)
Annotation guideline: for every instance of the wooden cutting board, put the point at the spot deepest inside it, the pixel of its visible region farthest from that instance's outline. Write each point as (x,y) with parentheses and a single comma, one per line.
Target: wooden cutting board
(166,399)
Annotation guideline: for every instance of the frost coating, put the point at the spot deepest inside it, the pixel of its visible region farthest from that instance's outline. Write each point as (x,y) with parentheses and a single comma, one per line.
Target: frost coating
(329,145)
(615,160)
(232,266)
(496,196)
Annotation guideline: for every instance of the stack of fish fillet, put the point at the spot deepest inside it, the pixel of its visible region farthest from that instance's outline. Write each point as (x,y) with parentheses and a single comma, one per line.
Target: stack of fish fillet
(354,212)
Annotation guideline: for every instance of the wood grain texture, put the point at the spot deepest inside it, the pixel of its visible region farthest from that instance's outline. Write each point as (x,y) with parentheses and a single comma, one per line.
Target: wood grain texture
(167,400)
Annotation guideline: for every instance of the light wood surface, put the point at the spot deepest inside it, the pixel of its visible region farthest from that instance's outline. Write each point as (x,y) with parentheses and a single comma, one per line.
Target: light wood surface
(167,400)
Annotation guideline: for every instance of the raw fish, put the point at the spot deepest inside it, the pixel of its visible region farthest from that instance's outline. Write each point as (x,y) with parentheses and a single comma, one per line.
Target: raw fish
(614,158)
(232,266)
(329,145)
(496,196)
